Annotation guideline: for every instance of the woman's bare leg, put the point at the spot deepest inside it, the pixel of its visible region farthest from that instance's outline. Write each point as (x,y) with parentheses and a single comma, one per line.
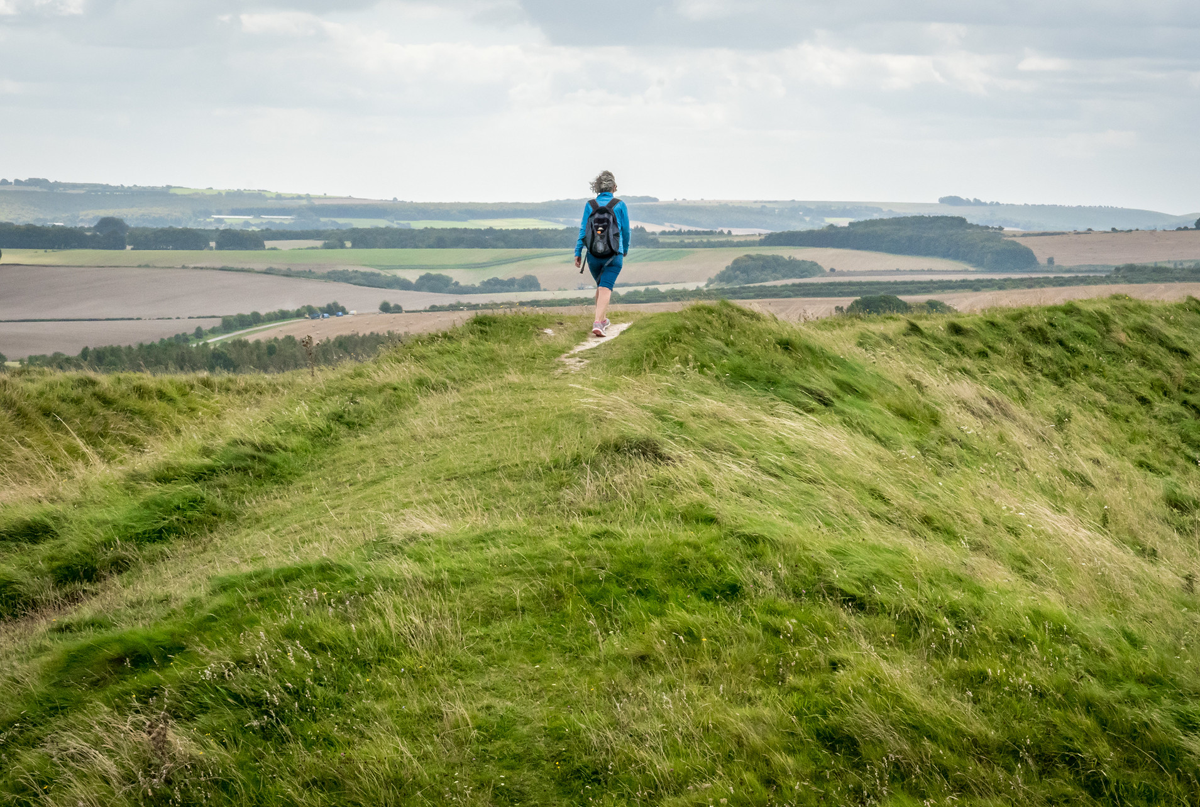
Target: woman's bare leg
(603,295)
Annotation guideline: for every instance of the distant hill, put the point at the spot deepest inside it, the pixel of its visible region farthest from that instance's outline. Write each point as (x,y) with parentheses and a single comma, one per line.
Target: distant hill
(41,201)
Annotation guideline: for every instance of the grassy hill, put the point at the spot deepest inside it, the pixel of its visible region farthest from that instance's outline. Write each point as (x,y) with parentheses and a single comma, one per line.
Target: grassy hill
(945,559)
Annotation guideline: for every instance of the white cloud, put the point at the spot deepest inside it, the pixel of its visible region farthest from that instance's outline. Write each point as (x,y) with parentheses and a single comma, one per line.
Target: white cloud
(59,8)
(711,9)
(419,99)
(282,23)
(1043,64)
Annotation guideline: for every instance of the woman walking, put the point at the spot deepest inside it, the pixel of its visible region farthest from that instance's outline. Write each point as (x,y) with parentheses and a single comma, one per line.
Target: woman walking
(604,232)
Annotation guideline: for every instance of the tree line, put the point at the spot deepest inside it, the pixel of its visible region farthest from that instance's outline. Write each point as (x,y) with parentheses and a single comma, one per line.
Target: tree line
(431,282)
(934,236)
(764,268)
(115,234)
(173,355)
(33,236)
(240,322)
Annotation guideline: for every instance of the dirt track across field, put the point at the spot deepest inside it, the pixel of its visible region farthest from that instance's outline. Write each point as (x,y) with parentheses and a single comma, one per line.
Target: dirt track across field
(794,309)
(1114,249)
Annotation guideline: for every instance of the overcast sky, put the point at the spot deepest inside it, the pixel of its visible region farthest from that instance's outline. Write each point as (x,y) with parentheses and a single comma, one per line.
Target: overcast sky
(1055,101)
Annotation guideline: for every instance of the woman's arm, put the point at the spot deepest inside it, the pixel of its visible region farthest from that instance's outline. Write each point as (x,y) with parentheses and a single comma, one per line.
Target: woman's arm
(587,209)
(623,220)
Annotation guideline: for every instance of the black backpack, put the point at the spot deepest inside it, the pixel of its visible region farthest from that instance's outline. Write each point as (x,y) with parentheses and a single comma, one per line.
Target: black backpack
(602,237)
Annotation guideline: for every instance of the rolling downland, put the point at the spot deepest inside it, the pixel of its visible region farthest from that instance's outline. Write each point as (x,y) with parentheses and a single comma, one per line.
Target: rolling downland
(940,559)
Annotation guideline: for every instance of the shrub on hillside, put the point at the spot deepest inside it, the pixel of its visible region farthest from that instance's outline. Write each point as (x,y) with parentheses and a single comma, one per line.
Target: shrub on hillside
(932,307)
(764,268)
(391,308)
(879,304)
(891,304)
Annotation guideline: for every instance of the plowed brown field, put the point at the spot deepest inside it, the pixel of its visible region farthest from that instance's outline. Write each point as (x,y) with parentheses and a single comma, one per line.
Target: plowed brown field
(1114,249)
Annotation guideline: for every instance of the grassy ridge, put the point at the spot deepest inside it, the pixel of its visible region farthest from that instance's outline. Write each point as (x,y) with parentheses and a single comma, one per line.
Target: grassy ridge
(1130,273)
(945,559)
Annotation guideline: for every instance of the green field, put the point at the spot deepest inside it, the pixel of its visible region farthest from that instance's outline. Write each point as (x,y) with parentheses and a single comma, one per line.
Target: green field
(937,560)
(314,258)
(481,224)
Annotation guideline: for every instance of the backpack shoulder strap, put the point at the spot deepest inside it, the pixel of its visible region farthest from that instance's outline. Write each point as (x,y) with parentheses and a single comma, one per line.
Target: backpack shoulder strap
(594,205)
(612,204)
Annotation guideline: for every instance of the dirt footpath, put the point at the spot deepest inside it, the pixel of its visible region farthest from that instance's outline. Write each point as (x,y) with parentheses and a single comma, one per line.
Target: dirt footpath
(796,309)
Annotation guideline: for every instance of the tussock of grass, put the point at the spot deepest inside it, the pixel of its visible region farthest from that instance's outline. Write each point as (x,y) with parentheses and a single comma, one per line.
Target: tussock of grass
(857,562)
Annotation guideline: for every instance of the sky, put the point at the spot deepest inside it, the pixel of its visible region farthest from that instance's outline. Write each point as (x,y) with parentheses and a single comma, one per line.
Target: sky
(1056,101)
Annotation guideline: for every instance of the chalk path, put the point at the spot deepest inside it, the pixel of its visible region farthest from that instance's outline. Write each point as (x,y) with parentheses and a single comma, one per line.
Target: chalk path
(571,358)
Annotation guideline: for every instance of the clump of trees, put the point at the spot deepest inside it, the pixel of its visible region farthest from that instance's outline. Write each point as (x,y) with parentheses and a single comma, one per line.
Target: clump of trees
(391,308)
(764,268)
(240,239)
(877,304)
(934,236)
(444,284)
(959,201)
(168,238)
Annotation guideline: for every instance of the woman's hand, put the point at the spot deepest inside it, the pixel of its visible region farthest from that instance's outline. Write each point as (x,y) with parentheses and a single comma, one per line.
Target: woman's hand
(578,261)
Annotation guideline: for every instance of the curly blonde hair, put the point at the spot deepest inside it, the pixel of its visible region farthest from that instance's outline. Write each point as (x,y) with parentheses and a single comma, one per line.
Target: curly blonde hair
(604,182)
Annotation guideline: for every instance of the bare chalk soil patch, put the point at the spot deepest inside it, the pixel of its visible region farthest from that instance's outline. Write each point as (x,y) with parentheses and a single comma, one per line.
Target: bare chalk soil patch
(574,362)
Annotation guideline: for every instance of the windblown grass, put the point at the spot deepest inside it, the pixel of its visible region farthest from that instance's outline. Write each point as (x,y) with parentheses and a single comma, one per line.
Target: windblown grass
(937,560)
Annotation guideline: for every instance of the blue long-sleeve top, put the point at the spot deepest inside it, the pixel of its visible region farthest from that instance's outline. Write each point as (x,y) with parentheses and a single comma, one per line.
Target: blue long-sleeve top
(619,210)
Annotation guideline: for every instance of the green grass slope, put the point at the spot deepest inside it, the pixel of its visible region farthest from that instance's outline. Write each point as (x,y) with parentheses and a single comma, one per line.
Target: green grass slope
(938,560)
